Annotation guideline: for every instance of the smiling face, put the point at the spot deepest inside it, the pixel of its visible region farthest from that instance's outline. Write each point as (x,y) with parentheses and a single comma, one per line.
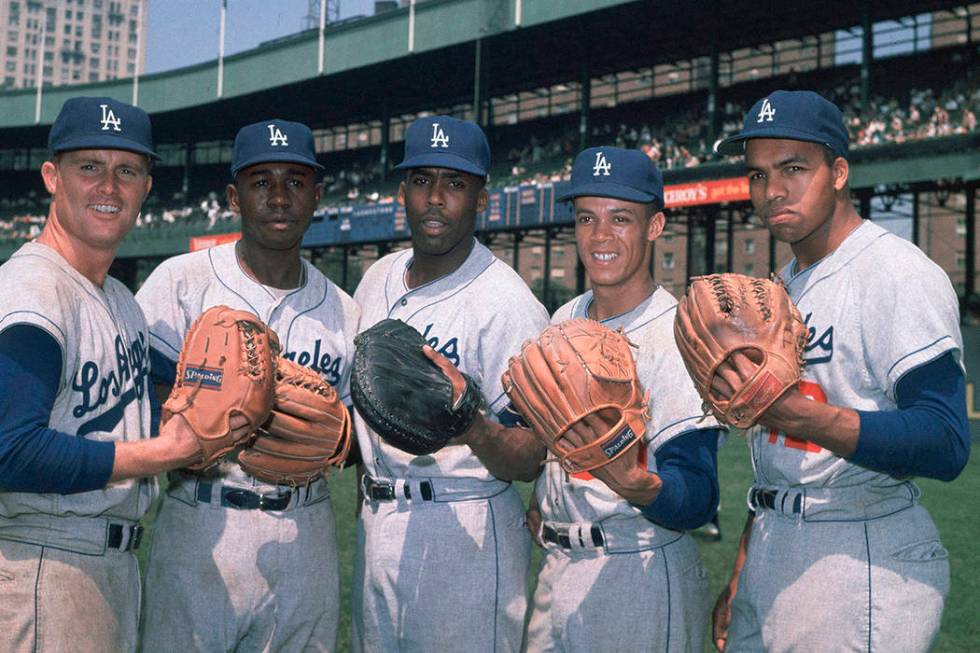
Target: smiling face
(276,201)
(613,238)
(97,194)
(441,206)
(793,186)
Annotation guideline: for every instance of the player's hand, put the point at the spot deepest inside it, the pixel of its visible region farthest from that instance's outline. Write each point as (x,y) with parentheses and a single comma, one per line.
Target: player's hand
(721,617)
(533,521)
(733,373)
(449,371)
(479,430)
(183,444)
(624,475)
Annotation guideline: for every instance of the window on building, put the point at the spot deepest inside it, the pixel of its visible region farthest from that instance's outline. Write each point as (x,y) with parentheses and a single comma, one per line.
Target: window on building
(667,262)
(750,246)
(749,269)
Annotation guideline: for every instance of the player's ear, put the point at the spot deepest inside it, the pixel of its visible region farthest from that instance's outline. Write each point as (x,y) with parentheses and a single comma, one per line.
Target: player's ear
(401,193)
(841,171)
(232,192)
(482,200)
(49,173)
(656,226)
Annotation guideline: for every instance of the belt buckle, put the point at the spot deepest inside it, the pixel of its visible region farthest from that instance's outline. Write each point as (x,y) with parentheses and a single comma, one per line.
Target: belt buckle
(135,537)
(241,499)
(378,490)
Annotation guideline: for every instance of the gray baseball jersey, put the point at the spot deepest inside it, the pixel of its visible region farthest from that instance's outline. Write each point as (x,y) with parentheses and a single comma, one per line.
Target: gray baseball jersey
(456,545)
(580,588)
(315,324)
(849,543)
(91,596)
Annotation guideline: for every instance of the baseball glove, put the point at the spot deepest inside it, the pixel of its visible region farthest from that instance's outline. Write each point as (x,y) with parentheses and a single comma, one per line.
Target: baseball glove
(575,369)
(402,395)
(227,366)
(307,433)
(727,313)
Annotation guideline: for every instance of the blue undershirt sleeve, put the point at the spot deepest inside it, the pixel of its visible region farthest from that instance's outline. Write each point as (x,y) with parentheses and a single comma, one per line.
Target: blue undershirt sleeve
(163,371)
(928,435)
(688,467)
(33,457)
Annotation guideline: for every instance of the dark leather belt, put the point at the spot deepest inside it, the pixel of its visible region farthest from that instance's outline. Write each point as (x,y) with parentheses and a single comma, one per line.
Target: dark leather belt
(767,499)
(114,540)
(560,536)
(241,499)
(385,491)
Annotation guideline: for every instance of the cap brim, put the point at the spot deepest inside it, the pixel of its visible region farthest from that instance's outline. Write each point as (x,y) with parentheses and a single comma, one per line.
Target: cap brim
(735,145)
(97,142)
(442,160)
(608,189)
(268,157)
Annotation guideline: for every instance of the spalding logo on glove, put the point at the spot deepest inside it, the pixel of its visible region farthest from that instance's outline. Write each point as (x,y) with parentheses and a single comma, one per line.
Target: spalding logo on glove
(227,366)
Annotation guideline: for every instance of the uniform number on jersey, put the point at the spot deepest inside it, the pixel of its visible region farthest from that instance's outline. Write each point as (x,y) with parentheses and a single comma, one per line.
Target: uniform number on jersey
(811,391)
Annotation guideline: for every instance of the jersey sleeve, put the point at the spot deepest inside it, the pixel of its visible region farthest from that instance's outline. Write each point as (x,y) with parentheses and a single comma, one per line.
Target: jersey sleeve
(165,317)
(909,318)
(518,320)
(675,405)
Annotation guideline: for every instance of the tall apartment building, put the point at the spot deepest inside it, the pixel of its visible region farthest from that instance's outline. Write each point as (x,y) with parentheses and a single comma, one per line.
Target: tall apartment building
(83,40)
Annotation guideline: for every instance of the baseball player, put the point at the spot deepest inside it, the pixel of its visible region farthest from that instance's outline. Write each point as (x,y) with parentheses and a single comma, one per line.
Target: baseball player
(617,533)
(442,552)
(837,554)
(238,564)
(74,403)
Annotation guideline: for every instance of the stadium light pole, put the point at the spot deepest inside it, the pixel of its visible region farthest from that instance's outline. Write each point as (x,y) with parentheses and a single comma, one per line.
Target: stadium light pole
(221,49)
(323,22)
(518,10)
(411,26)
(40,74)
(137,68)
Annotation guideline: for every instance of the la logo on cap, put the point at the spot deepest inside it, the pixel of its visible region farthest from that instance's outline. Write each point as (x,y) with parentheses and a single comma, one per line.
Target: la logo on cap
(109,118)
(601,165)
(767,112)
(439,138)
(276,137)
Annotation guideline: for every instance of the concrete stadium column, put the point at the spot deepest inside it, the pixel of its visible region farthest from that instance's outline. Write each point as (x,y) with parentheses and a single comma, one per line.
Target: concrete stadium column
(971,239)
(712,112)
(710,225)
(546,281)
(584,120)
(730,240)
(516,251)
(915,217)
(867,53)
(185,181)
(343,268)
(385,140)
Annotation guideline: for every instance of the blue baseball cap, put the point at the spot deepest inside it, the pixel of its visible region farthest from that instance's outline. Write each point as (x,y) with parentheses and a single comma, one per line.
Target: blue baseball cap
(446,142)
(273,140)
(101,123)
(617,173)
(794,115)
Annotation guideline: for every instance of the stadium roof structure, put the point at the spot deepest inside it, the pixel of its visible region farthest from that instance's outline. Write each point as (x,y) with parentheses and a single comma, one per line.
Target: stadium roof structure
(407,60)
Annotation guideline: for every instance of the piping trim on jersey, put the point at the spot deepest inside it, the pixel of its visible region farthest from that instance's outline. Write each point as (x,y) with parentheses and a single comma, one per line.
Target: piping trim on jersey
(217,276)
(496,576)
(913,353)
(670,602)
(867,547)
(64,357)
(37,597)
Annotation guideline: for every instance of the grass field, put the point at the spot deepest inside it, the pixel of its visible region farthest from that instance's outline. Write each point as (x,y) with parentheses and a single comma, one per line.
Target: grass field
(951,505)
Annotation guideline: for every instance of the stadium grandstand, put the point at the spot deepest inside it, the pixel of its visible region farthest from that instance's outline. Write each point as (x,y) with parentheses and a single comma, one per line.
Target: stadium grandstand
(546,79)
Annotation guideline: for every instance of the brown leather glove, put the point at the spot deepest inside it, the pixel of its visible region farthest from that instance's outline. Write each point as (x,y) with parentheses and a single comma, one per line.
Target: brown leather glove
(727,313)
(227,366)
(574,369)
(308,432)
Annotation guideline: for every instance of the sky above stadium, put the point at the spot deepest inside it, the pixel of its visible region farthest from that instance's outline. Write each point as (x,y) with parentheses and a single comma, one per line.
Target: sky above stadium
(185,32)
